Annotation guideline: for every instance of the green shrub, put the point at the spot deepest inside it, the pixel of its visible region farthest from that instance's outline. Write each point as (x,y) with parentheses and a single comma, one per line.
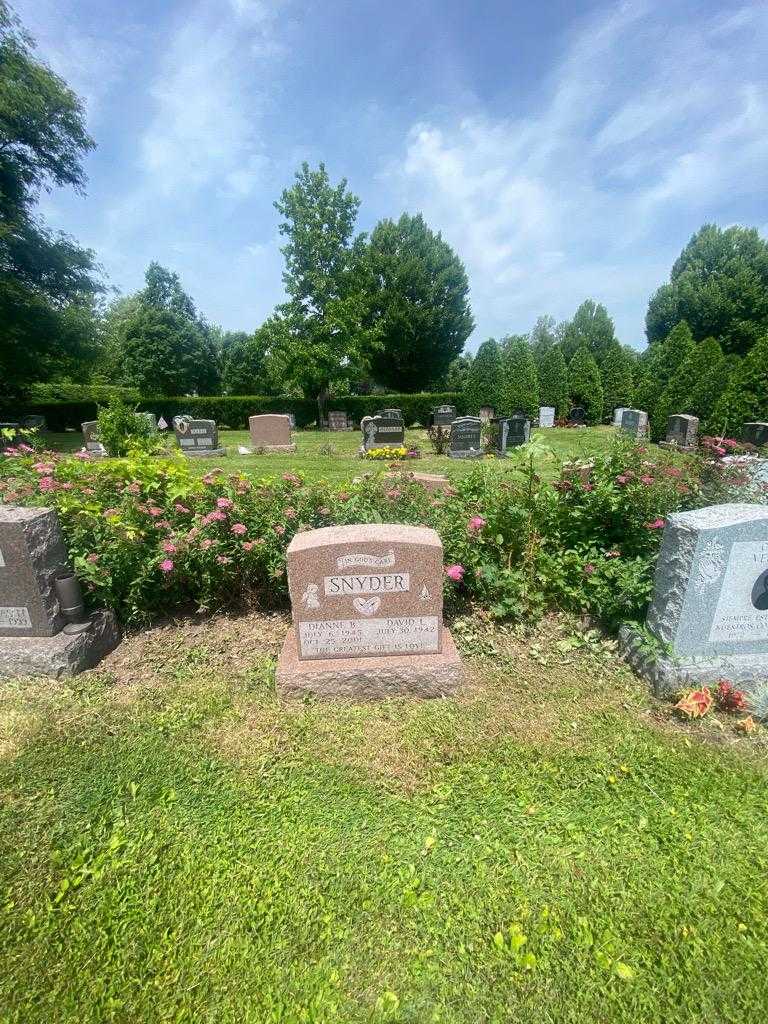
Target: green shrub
(585,386)
(122,432)
(746,398)
(484,380)
(553,381)
(520,387)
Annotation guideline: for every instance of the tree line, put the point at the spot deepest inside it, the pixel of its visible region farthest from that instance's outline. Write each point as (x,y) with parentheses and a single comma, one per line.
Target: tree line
(390,309)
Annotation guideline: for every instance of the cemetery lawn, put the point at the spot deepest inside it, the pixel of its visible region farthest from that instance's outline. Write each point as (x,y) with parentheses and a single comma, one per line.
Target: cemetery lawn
(547,847)
(313,460)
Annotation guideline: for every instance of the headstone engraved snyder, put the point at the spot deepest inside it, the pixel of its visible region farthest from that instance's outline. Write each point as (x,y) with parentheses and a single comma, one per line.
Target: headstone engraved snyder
(367,614)
(272,432)
(32,555)
(197,437)
(710,601)
(382,432)
(465,440)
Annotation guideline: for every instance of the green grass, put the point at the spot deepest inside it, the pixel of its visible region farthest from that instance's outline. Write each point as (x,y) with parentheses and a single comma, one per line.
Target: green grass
(547,847)
(343,463)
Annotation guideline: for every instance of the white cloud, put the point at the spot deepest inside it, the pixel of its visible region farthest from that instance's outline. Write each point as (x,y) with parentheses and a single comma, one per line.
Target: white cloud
(648,120)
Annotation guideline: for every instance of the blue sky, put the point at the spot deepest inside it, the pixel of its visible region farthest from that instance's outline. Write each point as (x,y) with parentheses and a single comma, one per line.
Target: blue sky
(565,149)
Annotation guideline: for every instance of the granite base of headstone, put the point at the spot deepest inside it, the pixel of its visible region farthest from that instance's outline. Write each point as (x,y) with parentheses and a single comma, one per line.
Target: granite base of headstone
(367,604)
(91,442)
(270,433)
(682,431)
(634,422)
(709,610)
(34,633)
(466,440)
(198,439)
(755,433)
(546,416)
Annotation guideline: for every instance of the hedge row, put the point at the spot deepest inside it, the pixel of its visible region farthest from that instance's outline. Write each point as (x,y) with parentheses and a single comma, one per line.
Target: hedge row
(233,411)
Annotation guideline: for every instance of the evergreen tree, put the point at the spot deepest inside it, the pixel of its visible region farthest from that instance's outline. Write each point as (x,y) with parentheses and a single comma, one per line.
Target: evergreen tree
(542,339)
(520,382)
(457,374)
(680,393)
(484,378)
(710,389)
(617,377)
(591,327)
(746,397)
(585,386)
(553,381)
(661,363)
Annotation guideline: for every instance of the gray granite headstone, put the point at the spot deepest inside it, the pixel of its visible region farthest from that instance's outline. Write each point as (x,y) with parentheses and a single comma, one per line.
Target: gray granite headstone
(32,552)
(710,599)
(33,422)
(546,416)
(91,438)
(577,415)
(682,431)
(618,412)
(197,437)
(465,441)
(382,432)
(634,422)
(756,434)
(390,414)
(337,421)
(443,415)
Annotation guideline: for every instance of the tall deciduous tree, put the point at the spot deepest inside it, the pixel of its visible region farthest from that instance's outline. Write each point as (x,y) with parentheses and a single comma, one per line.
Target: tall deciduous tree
(484,381)
(418,296)
(592,328)
(322,334)
(457,375)
(584,384)
(542,339)
(520,382)
(246,361)
(719,285)
(553,381)
(159,343)
(47,281)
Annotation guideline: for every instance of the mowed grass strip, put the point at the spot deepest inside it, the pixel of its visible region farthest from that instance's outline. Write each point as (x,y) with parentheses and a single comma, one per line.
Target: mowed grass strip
(333,455)
(181,847)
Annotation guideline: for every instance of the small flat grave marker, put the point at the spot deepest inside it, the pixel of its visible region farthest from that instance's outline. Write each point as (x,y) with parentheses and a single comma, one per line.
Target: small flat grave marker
(367,607)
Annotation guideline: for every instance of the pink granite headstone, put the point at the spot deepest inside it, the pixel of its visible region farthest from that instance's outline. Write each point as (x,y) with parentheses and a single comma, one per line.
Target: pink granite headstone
(271,431)
(367,614)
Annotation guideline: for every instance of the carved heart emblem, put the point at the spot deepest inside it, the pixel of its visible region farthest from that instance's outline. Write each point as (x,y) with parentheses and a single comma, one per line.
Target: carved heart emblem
(367,606)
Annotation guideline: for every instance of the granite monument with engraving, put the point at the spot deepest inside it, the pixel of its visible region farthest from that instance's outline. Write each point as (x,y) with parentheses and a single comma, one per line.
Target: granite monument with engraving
(443,415)
(33,637)
(546,416)
(681,432)
(382,432)
(338,421)
(577,417)
(634,422)
(271,432)
(390,414)
(618,412)
(91,441)
(466,440)
(367,605)
(519,430)
(755,433)
(710,600)
(197,438)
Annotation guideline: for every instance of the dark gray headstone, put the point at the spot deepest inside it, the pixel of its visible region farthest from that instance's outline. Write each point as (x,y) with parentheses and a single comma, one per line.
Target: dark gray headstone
(519,431)
(91,438)
(756,434)
(577,415)
(196,435)
(682,431)
(443,415)
(390,414)
(382,432)
(466,438)
(634,422)
(32,553)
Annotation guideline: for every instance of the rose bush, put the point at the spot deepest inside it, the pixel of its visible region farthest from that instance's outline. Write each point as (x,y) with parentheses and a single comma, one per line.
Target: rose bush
(147,536)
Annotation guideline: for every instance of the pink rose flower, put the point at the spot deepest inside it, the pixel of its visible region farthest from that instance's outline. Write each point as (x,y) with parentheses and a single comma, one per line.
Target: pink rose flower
(455,573)
(239,529)
(167,565)
(476,523)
